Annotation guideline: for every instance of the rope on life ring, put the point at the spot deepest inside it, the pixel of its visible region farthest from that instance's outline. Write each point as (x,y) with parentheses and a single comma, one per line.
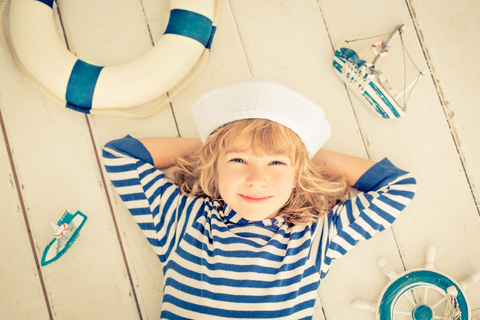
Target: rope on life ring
(375,51)
(87,88)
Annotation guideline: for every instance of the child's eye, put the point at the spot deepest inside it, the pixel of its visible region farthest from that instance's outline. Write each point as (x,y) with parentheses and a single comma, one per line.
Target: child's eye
(277,163)
(238,160)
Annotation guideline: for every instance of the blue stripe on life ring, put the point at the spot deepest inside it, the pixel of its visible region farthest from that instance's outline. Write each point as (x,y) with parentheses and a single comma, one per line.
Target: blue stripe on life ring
(47,2)
(81,86)
(190,24)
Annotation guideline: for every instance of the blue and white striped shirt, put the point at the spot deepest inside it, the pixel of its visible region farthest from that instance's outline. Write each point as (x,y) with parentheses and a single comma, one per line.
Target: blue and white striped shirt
(218,265)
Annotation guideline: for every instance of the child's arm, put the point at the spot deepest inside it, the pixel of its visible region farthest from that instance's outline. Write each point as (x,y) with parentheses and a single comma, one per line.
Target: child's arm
(165,150)
(341,165)
(155,203)
(385,191)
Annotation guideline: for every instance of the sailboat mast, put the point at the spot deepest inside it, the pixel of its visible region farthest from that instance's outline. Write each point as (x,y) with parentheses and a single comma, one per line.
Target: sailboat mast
(395,32)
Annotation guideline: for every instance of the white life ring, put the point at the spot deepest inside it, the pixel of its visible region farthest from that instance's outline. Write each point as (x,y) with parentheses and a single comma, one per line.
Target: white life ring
(375,50)
(85,86)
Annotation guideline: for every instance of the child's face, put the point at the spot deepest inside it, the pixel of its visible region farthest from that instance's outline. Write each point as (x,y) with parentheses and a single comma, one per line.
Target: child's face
(255,186)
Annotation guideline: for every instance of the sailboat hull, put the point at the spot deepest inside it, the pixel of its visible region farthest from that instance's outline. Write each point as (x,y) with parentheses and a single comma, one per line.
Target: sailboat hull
(372,93)
(59,245)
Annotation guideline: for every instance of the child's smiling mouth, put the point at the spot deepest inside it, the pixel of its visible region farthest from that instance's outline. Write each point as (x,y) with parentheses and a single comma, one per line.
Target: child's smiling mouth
(254,199)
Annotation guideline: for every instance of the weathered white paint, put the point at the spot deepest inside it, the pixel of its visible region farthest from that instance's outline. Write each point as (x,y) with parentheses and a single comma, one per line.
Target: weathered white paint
(19,279)
(290,40)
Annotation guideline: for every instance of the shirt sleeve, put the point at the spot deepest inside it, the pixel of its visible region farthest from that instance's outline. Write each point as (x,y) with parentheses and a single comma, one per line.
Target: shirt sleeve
(385,191)
(155,203)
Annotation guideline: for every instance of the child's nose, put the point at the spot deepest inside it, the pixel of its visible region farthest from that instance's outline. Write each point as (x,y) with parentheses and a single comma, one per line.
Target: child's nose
(256,177)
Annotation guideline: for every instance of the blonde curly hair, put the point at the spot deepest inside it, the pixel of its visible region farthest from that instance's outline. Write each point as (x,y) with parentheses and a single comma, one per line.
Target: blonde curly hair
(314,193)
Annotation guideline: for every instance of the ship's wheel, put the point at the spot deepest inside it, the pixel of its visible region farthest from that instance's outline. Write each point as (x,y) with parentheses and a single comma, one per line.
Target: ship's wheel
(421,294)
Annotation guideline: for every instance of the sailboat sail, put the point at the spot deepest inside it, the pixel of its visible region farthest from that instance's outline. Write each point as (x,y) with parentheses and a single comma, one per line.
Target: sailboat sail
(362,76)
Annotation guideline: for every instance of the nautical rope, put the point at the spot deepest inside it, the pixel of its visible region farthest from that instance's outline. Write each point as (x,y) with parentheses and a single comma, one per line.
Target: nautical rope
(405,51)
(368,56)
(114,111)
(367,38)
(452,311)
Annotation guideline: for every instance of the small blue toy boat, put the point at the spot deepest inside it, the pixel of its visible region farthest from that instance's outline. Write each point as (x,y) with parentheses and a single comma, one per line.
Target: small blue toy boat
(362,76)
(66,232)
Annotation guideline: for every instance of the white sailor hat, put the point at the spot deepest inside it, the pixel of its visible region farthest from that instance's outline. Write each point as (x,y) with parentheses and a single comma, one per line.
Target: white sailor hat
(263,99)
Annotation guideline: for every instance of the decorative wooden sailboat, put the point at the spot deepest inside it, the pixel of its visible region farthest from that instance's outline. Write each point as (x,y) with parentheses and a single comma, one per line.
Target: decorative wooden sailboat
(66,232)
(361,74)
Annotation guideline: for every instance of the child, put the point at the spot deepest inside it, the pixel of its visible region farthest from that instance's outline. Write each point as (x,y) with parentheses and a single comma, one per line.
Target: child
(254,217)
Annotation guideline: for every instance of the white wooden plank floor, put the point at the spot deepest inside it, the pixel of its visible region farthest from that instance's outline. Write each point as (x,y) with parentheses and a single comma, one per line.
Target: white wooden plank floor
(49,156)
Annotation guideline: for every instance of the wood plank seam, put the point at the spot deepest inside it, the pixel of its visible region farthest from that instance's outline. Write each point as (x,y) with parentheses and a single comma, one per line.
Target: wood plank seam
(147,23)
(365,142)
(362,135)
(250,67)
(441,98)
(62,28)
(326,26)
(174,119)
(117,231)
(115,223)
(25,217)
(398,249)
